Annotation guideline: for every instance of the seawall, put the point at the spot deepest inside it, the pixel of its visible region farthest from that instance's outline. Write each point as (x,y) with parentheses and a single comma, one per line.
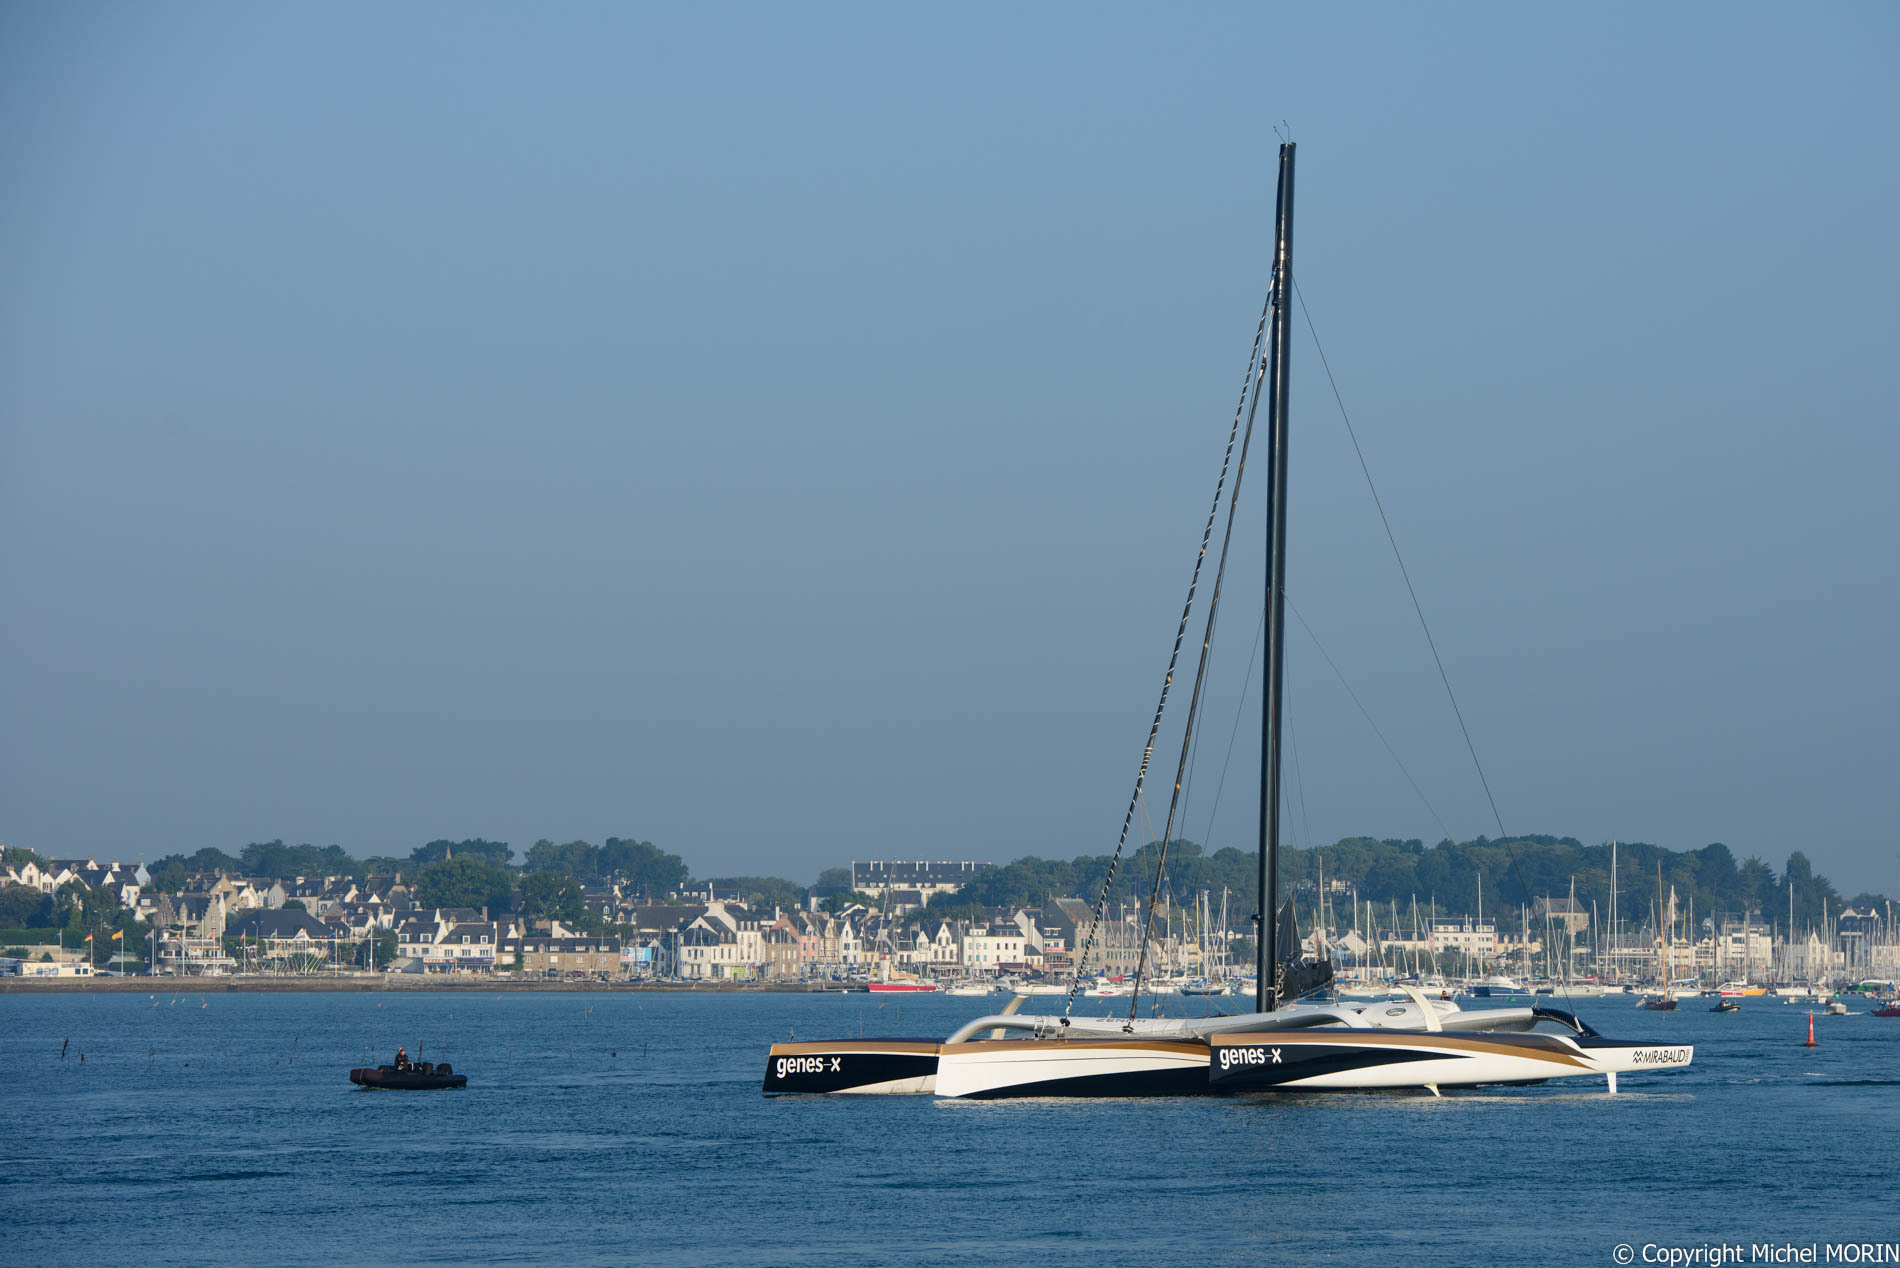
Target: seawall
(384,982)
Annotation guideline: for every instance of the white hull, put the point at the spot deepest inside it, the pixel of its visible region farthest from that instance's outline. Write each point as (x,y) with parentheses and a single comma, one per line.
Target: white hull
(1347,1060)
(1073,1067)
(1363,990)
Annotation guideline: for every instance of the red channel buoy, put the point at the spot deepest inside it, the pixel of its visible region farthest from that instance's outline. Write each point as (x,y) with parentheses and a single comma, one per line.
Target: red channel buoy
(1810,1042)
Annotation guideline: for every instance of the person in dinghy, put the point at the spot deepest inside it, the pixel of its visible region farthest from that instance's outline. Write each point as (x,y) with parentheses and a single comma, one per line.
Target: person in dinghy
(408,1076)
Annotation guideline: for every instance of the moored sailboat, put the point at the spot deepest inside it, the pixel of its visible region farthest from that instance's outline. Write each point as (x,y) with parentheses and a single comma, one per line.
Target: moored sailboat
(1285,1044)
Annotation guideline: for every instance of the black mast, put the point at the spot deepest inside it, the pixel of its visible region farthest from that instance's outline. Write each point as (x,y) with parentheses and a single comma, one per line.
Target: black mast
(1268,986)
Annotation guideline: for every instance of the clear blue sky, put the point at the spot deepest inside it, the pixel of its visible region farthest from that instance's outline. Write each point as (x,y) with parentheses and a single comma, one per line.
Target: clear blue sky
(781,432)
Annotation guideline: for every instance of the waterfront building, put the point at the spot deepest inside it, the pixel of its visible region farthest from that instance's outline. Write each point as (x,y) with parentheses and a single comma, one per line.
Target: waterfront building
(562,956)
(1463,934)
(939,944)
(1114,945)
(911,884)
(643,957)
(723,942)
(1743,949)
(29,874)
(12,966)
(191,955)
(988,948)
(197,915)
(1564,912)
(284,939)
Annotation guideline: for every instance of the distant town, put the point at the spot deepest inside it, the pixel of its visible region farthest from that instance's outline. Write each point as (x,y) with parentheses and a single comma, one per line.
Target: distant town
(1542,907)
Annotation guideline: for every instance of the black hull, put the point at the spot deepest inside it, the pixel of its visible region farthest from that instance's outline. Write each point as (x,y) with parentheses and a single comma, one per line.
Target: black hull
(1306,1061)
(395,1080)
(1133,1083)
(864,1066)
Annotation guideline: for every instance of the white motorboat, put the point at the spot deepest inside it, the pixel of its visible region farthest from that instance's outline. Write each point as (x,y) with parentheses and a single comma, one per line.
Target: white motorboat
(1364,990)
(1029,990)
(1498,986)
(1106,990)
(1573,990)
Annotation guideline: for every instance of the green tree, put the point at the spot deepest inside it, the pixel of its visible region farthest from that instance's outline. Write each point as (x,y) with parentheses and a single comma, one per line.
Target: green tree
(22,907)
(85,910)
(838,876)
(950,910)
(1756,884)
(283,862)
(1718,880)
(168,874)
(135,946)
(495,852)
(763,891)
(212,859)
(384,940)
(1814,896)
(470,881)
(577,858)
(651,872)
(551,895)
(835,903)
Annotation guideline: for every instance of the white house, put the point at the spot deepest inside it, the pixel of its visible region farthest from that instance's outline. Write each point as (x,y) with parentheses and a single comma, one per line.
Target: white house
(988,947)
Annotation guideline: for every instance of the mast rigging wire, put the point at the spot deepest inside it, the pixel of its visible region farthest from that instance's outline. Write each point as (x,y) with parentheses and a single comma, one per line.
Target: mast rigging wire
(1233,736)
(1417,607)
(1404,572)
(1249,386)
(1274,297)
(1367,715)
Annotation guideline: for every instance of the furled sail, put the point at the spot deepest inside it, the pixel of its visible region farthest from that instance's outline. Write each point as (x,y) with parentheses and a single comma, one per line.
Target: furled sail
(1298,977)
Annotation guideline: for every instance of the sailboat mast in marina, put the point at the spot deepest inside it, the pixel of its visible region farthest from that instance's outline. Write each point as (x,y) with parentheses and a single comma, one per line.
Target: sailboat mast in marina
(1268,992)
(1292,1041)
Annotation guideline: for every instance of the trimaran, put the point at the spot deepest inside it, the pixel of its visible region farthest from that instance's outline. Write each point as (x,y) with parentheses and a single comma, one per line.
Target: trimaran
(1286,1044)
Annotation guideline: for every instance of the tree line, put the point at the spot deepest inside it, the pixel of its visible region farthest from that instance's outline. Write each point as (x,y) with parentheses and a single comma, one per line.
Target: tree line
(1501,875)
(548,882)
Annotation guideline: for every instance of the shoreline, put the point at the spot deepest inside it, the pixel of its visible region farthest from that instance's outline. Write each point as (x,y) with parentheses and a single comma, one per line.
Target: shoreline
(390,983)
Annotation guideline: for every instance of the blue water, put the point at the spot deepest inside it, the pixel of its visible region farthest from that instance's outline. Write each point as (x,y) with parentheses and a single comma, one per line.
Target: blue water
(629,1128)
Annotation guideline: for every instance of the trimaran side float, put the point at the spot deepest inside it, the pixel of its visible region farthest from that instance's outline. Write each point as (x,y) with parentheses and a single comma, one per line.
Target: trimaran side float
(1287,1044)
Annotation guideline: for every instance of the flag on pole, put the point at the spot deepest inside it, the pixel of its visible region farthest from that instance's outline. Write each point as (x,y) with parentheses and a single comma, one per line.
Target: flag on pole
(88,937)
(118,934)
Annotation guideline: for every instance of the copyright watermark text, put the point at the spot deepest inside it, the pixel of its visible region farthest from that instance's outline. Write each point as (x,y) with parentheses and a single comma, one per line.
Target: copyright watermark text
(1718,1254)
